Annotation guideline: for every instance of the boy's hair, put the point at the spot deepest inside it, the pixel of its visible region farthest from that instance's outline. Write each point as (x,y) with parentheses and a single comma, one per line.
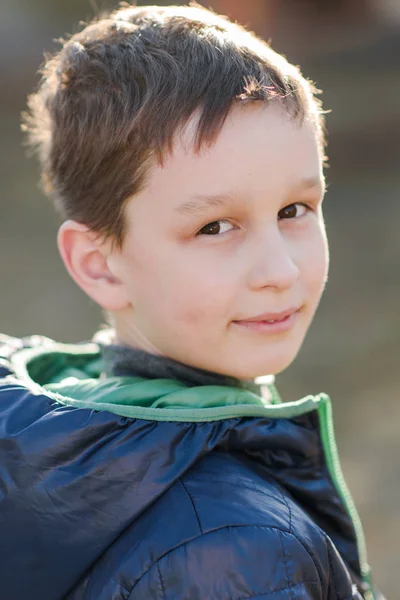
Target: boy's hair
(112,99)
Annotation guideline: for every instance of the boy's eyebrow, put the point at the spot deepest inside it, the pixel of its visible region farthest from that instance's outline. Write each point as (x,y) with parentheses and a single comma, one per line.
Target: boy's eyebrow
(200,203)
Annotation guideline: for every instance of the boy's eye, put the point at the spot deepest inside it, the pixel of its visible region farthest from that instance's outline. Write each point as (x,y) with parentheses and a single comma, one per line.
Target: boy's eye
(214,228)
(293,211)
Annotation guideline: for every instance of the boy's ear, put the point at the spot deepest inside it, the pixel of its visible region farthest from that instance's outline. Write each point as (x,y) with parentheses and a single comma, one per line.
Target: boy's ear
(85,257)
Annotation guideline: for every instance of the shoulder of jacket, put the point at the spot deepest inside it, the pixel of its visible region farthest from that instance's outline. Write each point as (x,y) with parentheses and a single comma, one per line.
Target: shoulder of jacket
(249,526)
(225,491)
(250,561)
(262,558)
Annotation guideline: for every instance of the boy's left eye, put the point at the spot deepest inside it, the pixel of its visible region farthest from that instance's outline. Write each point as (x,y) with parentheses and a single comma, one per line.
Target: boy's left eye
(293,211)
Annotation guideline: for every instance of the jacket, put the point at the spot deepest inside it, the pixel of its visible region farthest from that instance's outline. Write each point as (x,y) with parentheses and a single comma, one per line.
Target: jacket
(127,488)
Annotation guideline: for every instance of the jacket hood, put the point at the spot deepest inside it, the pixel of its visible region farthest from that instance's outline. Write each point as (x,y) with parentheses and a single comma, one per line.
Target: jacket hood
(90,473)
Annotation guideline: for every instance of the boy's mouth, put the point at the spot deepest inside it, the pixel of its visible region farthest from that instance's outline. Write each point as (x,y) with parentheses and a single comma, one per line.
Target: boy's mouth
(271,317)
(271,322)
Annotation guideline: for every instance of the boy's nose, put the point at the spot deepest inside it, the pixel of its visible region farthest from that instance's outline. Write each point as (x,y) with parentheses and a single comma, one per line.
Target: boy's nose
(272,263)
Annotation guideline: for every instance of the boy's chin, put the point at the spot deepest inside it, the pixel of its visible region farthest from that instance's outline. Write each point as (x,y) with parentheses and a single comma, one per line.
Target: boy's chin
(256,368)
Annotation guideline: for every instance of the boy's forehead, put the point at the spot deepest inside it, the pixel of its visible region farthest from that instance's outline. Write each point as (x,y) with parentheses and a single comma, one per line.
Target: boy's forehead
(256,126)
(256,147)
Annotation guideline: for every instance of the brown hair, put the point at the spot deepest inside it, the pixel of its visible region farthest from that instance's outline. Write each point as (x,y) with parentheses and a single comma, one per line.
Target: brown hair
(112,99)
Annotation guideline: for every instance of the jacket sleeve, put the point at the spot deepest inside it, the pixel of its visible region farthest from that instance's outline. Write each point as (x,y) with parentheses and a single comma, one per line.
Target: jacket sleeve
(238,563)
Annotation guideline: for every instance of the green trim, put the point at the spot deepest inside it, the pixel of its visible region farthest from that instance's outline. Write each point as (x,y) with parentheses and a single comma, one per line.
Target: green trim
(336,473)
(237,407)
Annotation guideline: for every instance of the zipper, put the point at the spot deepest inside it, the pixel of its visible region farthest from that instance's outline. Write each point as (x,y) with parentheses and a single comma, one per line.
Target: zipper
(335,470)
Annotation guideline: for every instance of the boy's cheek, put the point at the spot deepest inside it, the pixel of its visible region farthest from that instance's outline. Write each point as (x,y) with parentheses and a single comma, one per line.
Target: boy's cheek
(315,260)
(192,317)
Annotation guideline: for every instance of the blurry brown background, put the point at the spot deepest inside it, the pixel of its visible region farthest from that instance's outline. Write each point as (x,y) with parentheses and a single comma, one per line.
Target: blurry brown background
(351,48)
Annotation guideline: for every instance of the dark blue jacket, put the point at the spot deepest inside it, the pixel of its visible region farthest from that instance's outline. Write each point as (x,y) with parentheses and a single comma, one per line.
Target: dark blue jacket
(230,499)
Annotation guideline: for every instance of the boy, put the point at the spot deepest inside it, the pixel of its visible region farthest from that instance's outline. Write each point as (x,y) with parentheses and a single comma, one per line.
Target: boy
(185,157)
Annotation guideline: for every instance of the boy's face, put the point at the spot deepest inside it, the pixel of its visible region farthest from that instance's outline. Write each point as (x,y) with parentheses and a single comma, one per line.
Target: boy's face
(251,241)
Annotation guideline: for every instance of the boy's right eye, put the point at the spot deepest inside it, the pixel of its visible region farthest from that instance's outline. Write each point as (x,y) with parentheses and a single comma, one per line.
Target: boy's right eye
(214,228)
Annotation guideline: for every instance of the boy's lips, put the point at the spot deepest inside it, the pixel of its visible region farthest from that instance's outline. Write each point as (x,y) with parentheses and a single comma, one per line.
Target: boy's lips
(271,322)
(271,316)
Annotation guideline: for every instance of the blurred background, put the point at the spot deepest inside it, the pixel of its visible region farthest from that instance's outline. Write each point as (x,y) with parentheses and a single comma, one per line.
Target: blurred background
(351,49)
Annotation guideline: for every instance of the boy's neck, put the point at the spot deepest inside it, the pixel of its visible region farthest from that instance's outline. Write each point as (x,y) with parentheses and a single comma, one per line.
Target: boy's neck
(123,360)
